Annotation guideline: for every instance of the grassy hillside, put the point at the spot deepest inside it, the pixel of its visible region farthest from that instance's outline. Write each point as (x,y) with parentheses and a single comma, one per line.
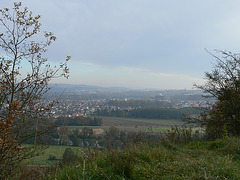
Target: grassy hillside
(218,159)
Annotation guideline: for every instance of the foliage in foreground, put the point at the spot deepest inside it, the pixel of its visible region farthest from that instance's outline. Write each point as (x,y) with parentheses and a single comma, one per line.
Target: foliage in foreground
(218,159)
(223,83)
(24,77)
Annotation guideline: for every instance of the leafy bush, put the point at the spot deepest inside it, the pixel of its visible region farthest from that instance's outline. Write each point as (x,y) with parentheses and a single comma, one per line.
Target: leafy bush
(223,83)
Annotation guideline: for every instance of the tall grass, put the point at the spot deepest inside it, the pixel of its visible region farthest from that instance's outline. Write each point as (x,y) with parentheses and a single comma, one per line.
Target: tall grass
(195,160)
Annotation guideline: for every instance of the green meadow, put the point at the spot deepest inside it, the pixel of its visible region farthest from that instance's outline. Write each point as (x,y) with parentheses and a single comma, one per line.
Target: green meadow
(56,151)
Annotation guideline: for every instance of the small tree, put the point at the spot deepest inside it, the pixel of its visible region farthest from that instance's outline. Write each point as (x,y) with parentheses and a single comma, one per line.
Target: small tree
(223,83)
(69,156)
(22,89)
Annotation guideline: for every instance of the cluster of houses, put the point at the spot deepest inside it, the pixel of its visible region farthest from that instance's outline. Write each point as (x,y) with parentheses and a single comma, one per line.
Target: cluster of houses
(73,108)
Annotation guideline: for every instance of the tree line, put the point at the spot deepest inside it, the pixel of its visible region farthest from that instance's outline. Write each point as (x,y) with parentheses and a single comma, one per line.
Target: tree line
(78,121)
(150,113)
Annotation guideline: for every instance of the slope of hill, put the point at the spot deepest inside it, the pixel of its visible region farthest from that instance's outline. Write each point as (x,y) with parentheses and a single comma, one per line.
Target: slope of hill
(196,160)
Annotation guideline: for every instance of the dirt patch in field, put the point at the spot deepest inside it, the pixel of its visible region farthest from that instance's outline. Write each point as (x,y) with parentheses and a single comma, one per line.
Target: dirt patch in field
(98,131)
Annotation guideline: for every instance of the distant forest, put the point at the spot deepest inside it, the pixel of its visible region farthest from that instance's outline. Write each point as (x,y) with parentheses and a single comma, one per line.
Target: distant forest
(151,113)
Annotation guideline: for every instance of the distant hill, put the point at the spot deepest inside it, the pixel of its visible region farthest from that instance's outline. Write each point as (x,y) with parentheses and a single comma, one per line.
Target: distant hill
(83,89)
(85,92)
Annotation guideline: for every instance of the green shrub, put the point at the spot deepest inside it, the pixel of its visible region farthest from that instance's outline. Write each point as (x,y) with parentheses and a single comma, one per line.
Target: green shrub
(69,157)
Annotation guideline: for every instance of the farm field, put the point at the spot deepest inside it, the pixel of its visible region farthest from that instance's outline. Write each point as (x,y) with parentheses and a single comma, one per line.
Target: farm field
(133,124)
(108,121)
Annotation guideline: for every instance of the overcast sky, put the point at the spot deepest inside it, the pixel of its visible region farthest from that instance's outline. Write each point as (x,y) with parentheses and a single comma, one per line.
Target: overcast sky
(138,43)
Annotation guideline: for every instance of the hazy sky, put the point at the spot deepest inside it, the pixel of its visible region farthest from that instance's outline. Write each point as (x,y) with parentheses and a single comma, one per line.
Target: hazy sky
(138,43)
